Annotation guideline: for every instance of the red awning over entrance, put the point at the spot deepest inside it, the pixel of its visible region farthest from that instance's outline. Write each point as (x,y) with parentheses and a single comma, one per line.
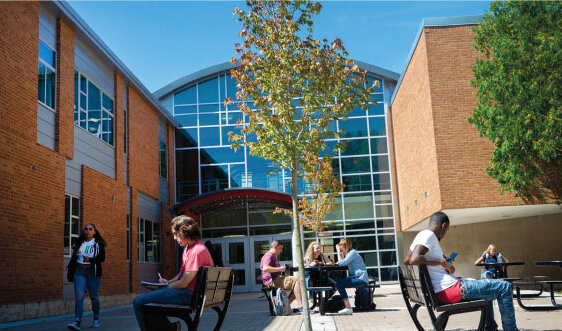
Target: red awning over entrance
(227,199)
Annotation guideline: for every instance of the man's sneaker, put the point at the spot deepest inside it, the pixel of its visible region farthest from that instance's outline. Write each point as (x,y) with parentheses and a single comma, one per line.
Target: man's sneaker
(346,311)
(176,326)
(96,324)
(74,325)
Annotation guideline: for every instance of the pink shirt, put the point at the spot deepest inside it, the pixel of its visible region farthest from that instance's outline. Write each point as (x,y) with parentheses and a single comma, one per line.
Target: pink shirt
(195,256)
(270,260)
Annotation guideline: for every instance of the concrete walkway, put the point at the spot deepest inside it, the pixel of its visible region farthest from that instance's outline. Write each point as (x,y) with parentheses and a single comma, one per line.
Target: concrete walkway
(249,311)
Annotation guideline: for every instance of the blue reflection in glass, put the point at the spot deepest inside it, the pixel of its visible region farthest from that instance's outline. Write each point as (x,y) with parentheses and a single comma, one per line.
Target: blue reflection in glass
(353,165)
(237,172)
(178,110)
(221,155)
(376,109)
(209,136)
(41,85)
(377,126)
(47,54)
(356,147)
(209,91)
(354,127)
(231,87)
(209,108)
(209,119)
(187,96)
(357,111)
(186,138)
(225,130)
(258,168)
(187,120)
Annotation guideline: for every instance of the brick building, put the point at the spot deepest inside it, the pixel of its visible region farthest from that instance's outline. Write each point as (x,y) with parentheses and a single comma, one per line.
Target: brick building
(440,160)
(81,140)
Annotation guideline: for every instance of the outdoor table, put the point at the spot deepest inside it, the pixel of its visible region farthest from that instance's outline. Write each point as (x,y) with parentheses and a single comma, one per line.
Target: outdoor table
(549,263)
(500,266)
(320,277)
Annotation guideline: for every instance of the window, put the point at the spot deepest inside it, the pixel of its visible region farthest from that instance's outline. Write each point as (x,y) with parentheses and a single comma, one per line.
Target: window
(93,109)
(46,86)
(163,163)
(71,222)
(148,240)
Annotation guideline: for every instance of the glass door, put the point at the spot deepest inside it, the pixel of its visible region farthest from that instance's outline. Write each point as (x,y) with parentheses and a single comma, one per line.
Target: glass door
(259,246)
(237,257)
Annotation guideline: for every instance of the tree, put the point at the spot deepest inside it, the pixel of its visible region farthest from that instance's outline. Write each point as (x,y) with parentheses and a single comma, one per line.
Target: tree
(519,89)
(297,85)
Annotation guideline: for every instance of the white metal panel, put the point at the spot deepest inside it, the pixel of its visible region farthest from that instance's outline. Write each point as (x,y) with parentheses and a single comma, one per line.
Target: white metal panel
(93,152)
(148,208)
(73,178)
(95,69)
(47,26)
(45,127)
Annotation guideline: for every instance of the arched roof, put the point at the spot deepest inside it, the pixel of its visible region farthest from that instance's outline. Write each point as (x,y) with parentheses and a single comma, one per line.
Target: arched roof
(224,200)
(226,66)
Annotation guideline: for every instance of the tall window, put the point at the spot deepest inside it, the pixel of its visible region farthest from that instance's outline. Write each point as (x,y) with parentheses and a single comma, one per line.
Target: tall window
(163,164)
(148,240)
(93,109)
(71,222)
(46,86)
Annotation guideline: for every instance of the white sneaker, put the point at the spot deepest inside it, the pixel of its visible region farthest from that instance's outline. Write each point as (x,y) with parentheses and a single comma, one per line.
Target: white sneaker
(74,325)
(346,311)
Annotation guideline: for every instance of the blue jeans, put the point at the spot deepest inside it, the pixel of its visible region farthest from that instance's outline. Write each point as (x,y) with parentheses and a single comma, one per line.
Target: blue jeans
(490,290)
(165,295)
(351,281)
(86,278)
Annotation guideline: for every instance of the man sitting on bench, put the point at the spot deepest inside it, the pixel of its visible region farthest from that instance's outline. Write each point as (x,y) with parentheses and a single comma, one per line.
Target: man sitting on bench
(180,288)
(425,249)
(271,274)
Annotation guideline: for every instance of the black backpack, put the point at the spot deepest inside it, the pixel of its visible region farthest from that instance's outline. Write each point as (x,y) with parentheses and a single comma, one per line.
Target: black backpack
(334,304)
(362,300)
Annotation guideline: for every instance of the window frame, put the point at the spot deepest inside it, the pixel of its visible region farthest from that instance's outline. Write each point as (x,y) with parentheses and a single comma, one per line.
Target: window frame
(103,110)
(143,246)
(53,69)
(71,218)
(162,160)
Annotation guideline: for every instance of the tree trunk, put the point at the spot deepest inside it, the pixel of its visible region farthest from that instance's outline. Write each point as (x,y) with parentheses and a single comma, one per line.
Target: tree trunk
(297,248)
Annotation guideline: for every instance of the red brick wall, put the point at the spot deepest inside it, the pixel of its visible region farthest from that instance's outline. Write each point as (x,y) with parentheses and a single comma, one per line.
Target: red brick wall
(134,244)
(110,217)
(143,145)
(64,133)
(414,142)
(461,153)
(436,150)
(118,136)
(31,176)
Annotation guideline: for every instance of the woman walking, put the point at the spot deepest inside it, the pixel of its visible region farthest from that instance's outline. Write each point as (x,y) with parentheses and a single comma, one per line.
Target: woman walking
(88,254)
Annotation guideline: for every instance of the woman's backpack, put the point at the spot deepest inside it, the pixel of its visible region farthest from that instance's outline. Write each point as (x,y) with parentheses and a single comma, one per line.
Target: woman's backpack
(281,305)
(362,300)
(334,304)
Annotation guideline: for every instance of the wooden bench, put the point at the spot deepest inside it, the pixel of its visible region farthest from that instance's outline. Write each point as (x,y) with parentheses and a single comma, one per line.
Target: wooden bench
(417,289)
(213,289)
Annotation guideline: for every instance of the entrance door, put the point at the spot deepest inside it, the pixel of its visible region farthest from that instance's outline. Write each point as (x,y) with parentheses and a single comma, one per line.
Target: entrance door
(237,256)
(259,245)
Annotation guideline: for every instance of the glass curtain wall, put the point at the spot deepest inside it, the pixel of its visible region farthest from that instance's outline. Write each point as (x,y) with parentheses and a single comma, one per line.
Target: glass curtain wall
(206,163)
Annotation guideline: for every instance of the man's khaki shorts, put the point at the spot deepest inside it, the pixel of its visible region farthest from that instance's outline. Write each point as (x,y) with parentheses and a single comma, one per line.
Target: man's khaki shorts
(285,282)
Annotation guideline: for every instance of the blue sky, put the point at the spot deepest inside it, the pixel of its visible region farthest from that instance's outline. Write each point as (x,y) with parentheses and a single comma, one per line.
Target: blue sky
(163,41)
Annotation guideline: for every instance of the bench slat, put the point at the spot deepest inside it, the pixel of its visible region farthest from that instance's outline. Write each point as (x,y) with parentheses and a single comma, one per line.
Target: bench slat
(462,305)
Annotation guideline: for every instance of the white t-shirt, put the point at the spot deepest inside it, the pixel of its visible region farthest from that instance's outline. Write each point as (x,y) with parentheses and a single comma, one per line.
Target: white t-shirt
(86,249)
(440,278)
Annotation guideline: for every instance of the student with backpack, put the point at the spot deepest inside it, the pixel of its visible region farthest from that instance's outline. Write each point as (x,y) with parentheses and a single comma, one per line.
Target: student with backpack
(357,272)
(490,255)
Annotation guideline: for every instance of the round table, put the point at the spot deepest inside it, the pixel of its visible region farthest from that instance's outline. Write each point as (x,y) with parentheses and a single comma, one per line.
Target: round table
(501,267)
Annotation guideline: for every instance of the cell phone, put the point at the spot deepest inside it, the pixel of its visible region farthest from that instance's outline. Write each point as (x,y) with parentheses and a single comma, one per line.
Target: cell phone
(452,257)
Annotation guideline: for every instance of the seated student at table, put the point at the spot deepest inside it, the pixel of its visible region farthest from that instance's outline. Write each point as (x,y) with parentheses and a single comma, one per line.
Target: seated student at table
(347,256)
(179,291)
(271,274)
(425,249)
(490,255)
(314,257)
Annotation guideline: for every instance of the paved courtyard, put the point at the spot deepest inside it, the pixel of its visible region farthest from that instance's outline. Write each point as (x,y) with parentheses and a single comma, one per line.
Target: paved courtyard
(249,311)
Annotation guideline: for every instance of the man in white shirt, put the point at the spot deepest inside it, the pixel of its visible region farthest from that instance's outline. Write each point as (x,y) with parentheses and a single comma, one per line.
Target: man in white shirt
(425,249)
